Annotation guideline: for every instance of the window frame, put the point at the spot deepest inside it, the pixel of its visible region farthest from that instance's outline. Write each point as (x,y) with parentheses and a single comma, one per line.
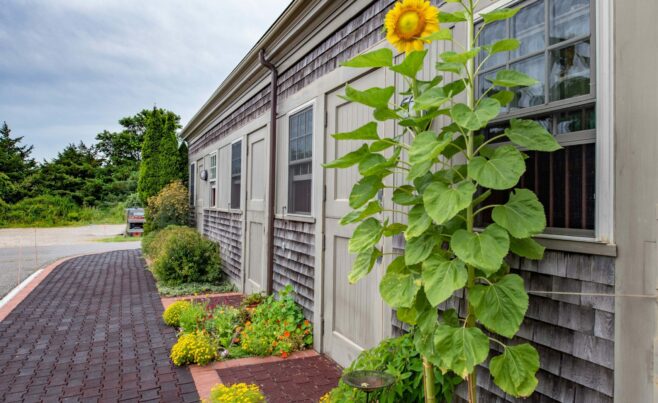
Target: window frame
(308,106)
(602,96)
(212,180)
(230,176)
(192,184)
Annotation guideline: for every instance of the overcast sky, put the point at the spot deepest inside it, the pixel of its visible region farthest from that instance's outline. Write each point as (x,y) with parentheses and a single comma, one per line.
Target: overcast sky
(72,68)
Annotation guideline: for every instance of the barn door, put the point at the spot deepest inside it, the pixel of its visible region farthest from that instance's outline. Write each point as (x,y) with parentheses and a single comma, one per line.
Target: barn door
(255,267)
(353,313)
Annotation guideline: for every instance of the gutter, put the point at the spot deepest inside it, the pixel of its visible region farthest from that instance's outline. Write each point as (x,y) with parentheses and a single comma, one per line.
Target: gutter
(271,190)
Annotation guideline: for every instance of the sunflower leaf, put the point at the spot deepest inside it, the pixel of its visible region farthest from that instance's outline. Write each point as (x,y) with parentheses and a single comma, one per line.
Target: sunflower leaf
(377,58)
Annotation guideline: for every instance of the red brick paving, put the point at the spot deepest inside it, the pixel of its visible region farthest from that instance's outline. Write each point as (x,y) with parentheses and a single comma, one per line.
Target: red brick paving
(91,331)
(292,380)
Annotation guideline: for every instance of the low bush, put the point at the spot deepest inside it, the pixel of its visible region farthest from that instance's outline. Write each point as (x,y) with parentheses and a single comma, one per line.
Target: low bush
(236,393)
(169,207)
(222,324)
(194,348)
(181,255)
(193,317)
(277,327)
(195,288)
(171,315)
(398,357)
(152,243)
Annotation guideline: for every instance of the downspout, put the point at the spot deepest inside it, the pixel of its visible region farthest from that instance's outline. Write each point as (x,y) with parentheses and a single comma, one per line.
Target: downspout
(271,193)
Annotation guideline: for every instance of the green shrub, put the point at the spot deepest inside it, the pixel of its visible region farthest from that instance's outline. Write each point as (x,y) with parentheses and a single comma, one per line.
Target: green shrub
(192,317)
(236,393)
(171,315)
(193,348)
(44,210)
(398,357)
(169,207)
(222,324)
(182,255)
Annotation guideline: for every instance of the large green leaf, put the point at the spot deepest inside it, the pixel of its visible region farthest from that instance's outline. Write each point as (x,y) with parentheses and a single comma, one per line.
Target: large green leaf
(427,146)
(381,145)
(366,235)
(514,370)
(501,306)
(374,164)
(399,285)
(527,248)
(484,250)
(411,64)
(458,16)
(349,159)
(426,324)
(502,171)
(374,97)
(369,209)
(531,135)
(522,216)
(432,98)
(394,229)
(511,78)
(363,263)
(443,34)
(461,348)
(384,113)
(462,58)
(377,58)
(418,222)
(442,277)
(500,14)
(504,45)
(504,97)
(365,132)
(364,190)
(450,67)
(419,169)
(478,118)
(418,249)
(443,202)
(407,315)
(405,196)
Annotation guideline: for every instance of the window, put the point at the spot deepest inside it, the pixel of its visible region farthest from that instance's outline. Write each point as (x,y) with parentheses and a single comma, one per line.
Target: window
(192,183)
(212,178)
(236,173)
(556,49)
(300,158)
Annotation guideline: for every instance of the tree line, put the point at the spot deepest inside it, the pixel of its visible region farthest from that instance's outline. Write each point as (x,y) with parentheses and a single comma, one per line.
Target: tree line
(122,168)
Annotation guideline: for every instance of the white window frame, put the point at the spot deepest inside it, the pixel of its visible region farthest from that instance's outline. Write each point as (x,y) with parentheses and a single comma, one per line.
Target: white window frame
(212,180)
(312,105)
(230,176)
(604,79)
(193,184)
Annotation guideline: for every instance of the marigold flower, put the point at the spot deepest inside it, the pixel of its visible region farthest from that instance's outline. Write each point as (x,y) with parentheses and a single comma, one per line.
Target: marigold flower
(286,334)
(284,354)
(409,21)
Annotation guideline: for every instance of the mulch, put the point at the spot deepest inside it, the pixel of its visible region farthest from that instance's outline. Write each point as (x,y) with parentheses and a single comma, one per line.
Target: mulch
(92,331)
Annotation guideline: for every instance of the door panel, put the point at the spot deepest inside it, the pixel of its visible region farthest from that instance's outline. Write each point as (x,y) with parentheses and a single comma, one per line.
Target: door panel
(255,267)
(353,313)
(200,191)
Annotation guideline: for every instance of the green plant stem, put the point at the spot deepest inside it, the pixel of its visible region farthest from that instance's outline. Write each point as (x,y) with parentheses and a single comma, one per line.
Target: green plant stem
(428,381)
(470,94)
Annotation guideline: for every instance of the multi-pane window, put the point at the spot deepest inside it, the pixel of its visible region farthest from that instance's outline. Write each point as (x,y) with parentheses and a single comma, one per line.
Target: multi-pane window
(192,181)
(557,50)
(300,158)
(212,178)
(236,173)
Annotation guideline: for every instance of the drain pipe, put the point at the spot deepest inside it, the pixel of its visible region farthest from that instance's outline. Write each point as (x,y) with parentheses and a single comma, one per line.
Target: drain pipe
(271,192)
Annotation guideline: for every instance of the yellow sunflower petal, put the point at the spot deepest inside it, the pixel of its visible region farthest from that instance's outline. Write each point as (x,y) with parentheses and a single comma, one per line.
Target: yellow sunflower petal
(408,21)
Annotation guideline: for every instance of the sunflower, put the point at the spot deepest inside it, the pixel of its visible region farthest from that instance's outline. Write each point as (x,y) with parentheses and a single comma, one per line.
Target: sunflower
(409,21)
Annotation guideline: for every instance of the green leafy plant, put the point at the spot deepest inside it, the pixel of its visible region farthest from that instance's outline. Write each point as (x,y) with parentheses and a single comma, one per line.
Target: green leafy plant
(222,324)
(171,315)
(397,357)
(196,347)
(193,317)
(169,207)
(450,173)
(195,288)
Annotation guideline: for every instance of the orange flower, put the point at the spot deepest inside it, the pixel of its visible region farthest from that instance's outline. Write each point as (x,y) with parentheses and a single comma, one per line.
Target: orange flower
(306,323)
(247,323)
(286,334)
(306,331)
(284,354)
(274,343)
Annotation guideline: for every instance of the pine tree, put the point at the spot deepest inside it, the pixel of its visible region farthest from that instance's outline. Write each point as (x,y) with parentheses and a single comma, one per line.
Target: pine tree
(15,163)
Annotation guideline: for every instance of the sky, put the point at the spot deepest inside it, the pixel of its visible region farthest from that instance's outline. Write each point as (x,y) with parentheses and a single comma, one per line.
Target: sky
(70,69)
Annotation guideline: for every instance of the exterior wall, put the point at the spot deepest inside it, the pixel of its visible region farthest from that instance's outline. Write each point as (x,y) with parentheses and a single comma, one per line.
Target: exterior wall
(226,229)
(636,199)
(294,260)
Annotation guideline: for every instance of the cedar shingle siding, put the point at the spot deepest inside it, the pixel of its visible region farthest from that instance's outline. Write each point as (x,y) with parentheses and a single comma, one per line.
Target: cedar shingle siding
(294,260)
(226,229)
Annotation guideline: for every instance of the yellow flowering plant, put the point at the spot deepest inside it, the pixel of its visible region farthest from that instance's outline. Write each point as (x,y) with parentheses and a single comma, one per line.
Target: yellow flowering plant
(197,347)
(171,315)
(448,171)
(236,393)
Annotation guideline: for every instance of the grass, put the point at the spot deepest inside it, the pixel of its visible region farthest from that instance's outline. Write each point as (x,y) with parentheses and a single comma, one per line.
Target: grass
(194,288)
(119,238)
(20,218)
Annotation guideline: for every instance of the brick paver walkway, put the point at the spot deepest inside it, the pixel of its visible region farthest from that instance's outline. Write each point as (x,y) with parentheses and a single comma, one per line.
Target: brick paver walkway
(292,380)
(92,331)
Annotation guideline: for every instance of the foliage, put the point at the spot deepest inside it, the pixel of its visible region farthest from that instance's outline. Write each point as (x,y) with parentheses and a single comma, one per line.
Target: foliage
(16,164)
(184,256)
(397,357)
(450,173)
(222,324)
(193,348)
(194,288)
(183,162)
(118,238)
(236,393)
(277,327)
(160,162)
(171,315)
(133,201)
(253,299)
(169,207)
(193,317)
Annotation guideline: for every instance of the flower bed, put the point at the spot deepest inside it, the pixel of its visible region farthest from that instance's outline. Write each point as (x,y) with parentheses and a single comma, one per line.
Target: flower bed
(260,326)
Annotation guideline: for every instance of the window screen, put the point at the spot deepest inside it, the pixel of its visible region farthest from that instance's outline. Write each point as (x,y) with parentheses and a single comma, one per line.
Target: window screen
(300,158)
(236,173)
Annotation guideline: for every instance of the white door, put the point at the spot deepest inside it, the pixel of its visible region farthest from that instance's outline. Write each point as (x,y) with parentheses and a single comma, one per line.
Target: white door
(255,267)
(353,313)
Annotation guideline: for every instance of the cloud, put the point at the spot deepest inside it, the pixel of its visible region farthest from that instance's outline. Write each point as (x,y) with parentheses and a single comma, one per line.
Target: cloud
(70,69)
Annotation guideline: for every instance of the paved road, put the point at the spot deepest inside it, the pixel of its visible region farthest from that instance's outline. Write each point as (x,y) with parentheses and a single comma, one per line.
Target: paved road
(92,331)
(25,250)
